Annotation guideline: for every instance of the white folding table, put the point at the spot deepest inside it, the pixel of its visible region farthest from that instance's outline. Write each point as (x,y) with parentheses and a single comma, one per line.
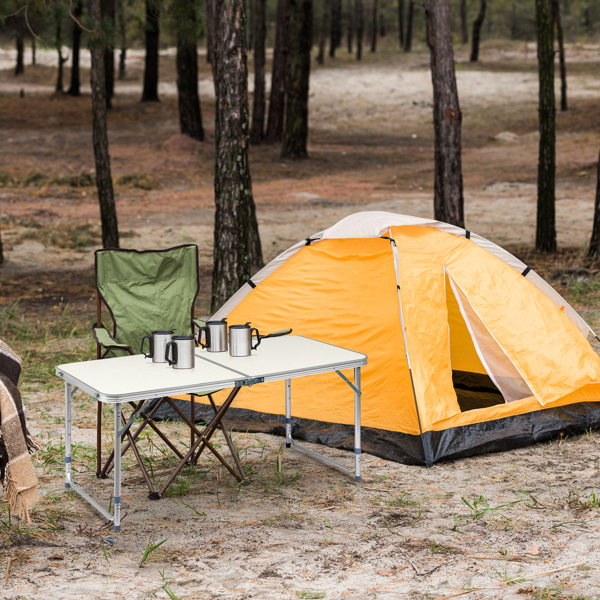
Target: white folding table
(133,378)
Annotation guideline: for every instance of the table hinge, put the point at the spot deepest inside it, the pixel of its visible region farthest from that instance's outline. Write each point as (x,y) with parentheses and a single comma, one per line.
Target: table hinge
(249,382)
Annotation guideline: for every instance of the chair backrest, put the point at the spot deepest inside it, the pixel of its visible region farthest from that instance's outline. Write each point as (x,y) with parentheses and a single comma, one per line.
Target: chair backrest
(148,290)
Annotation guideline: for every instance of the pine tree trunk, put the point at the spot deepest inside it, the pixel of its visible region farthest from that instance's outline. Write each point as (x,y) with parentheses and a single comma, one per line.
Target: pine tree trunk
(257,133)
(447,118)
(594,249)
(75,87)
(19,33)
(514,23)
(334,26)
(190,115)
(545,240)
(236,242)
(33,51)
(401,23)
(325,29)
(150,93)
(350,26)
(61,61)
(107,8)
(409,26)
(297,81)
(210,31)
(280,54)
(359,28)
(382,30)
(464,29)
(477,31)
(1,250)
(250,28)
(106,196)
(122,39)
(561,53)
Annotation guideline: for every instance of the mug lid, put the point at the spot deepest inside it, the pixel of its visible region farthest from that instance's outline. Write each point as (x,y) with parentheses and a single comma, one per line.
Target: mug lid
(164,331)
(223,322)
(247,326)
(184,337)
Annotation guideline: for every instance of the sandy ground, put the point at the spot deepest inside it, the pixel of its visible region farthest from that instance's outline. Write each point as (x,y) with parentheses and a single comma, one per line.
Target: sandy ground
(303,531)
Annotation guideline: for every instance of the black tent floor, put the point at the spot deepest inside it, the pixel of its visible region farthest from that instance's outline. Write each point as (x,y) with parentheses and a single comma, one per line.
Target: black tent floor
(433,446)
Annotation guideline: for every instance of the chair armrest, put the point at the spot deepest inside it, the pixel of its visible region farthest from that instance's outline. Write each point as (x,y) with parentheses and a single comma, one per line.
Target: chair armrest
(103,337)
(198,323)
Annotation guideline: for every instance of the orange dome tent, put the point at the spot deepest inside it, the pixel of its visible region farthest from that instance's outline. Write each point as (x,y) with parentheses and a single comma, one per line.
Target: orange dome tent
(469,350)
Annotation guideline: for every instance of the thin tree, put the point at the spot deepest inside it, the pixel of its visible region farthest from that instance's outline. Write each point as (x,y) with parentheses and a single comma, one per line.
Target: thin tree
(335,10)
(324,30)
(19,34)
(477,31)
(107,8)
(447,118)
(75,87)
(236,242)
(373,24)
(349,25)
(106,196)
(150,92)
(257,132)
(33,50)
(359,28)
(401,23)
(561,53)
(277,100)
(210,31)
(122,38)
(464,29)
(190,116)
(1,250)
(594,249)
(545,239)
(409,26)
(58,40)
(297,80)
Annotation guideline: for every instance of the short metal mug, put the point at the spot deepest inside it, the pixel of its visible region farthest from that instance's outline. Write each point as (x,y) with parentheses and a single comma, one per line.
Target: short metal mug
(240,339)
(182,352)
(215,336)
(158,343)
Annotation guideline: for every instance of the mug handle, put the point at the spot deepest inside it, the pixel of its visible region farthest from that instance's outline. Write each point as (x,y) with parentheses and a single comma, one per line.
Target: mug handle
(173,352)
(206,337)
(150,343)
(257,338)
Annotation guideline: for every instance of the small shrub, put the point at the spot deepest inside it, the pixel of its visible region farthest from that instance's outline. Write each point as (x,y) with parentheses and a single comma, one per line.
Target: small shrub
(142,181)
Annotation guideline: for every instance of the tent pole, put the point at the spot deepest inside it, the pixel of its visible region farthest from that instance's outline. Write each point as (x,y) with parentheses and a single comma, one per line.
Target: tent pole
(412,383)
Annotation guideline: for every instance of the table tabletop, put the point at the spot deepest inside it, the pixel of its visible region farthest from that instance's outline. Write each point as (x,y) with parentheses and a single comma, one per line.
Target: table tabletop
(134,377)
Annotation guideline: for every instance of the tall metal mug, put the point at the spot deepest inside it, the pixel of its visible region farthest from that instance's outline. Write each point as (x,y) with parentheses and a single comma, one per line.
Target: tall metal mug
(182,352)
(157,343)
(215,336)
(240,339)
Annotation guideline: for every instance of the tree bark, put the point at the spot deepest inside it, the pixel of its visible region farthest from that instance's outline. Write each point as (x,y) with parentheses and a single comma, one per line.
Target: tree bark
(75,87)
(334,25)
(61,60)
(297,81)
(594,249)
(210,32)
(1,250)
(107,8)
(464,29)
(447,118)
(401,23)
(106,196)
(19,34)
(324,31)
(190,115)
(236,243)
(514,23)
(409,26)
(150,93)
(250,28)
(350,26)
(359,28)
(373,27)
(257,133)
(382,30)
(122,38)
(33,51)
(561,53)
(477,31)
(280,54)
(545,240)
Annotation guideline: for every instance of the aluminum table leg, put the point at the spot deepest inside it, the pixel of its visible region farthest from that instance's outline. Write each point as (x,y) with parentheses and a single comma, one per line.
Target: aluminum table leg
(288,413)
(357,450)
(68,392)
(117,469)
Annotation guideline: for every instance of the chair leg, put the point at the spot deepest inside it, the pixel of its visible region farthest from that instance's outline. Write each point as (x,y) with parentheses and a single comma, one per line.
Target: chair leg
(192,418)
(153,495)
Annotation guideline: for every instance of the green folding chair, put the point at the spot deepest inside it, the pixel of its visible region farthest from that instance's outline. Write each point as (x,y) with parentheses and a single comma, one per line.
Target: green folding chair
(145,291)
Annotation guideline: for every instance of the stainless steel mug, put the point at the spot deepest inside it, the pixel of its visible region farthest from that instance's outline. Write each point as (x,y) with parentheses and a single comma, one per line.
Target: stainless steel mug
(158,343)
(240,339)
(215,336)
(182,352)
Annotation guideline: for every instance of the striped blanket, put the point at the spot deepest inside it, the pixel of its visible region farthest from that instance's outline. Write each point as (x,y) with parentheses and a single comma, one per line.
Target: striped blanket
(16,443)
